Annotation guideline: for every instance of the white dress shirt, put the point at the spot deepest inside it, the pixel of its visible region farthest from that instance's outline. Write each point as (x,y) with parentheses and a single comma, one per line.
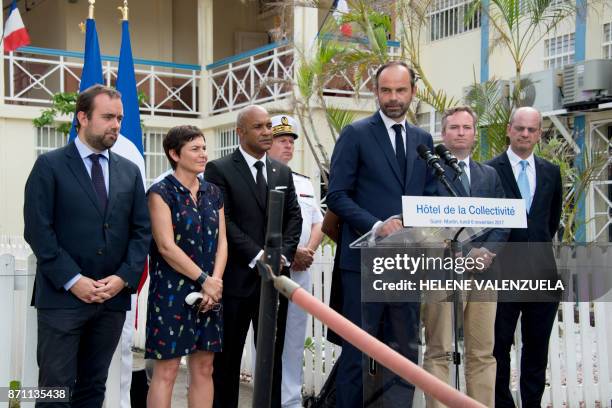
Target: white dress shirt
(85,152)
(251,163)
(389,125)
(466,169)
(516,169)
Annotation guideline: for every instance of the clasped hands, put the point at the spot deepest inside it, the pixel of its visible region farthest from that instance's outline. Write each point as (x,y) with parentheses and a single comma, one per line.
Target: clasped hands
(303,259)
(97,291)
(211,293)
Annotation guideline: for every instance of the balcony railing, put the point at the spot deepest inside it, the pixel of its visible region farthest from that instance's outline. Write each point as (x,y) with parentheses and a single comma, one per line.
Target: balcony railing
(36,74)
(345,85)
(266,74)
(260,75)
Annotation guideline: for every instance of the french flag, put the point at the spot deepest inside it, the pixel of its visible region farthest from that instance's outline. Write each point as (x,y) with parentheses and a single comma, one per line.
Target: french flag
(129,142)
(15,33)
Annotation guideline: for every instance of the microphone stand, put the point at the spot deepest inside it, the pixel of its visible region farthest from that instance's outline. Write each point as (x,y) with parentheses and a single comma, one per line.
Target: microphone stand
(268,302)
(457,301)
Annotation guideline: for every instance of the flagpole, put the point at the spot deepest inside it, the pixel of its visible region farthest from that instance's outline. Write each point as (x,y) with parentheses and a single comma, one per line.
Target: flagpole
(91,9)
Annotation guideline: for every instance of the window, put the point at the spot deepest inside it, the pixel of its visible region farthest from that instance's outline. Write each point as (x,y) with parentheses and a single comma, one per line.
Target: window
(559,51)
(227,142)
(156,162)
(448,18)
(607,41)
(48,138)
(430,123)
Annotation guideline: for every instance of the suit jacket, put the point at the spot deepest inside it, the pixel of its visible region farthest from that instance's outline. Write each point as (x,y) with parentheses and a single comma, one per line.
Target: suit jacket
(484,182)
(71,234)
(532,259)
(365,182)
(545,213)
(246,217)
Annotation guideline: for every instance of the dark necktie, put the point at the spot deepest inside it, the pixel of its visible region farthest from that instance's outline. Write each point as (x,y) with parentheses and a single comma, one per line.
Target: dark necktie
(400,152)
(97,177)
(464,178)
(262,186)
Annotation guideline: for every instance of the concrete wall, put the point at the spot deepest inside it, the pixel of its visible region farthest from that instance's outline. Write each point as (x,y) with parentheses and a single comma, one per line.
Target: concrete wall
(452,63)
(46,23)
(163,30)
(233,16)
(185,31)
(17,155)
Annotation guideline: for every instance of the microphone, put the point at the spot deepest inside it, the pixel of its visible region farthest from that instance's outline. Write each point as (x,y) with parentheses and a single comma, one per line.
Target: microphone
(449,159)
(432,161)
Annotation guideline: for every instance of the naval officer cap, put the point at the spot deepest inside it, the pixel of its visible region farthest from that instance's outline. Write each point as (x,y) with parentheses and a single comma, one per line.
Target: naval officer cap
(284,125)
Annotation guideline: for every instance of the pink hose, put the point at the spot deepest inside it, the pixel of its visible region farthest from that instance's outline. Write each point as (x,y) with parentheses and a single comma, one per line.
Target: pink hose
(383,353)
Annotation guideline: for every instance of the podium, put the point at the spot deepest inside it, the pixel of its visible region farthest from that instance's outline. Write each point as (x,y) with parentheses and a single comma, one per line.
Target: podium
(396,271)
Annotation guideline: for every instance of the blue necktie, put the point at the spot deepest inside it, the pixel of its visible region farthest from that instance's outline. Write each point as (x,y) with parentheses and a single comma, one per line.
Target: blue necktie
(523,184)
(400,151)
(465,182)
(97,177)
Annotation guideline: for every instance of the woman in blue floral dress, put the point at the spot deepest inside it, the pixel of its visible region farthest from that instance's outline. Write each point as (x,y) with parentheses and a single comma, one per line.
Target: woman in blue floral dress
(188,254)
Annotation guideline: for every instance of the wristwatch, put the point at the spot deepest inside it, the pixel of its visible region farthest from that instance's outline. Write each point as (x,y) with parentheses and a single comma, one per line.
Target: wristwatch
(202,278)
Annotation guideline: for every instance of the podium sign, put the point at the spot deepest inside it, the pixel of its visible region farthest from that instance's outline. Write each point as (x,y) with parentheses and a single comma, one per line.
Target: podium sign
(474,212)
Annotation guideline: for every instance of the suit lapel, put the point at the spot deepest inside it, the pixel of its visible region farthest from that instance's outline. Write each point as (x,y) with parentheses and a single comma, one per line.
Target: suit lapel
(477,180)
(243,168)
(455,181)
(507,174)
(76,165)
(380,134)
(540,179)
(410,153)
(272,170)
(113,181)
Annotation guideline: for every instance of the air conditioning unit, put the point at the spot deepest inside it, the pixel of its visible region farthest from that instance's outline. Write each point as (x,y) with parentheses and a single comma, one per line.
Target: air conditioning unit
(541,90)
(587,82)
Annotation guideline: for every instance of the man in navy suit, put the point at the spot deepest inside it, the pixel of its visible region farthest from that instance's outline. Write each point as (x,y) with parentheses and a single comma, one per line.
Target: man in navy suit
(477,180)
(373,165)
(87,222)
(538,182)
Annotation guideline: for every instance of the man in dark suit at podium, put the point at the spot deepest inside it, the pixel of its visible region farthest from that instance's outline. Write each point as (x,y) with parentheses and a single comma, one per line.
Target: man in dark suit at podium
(538,182)
(373,165)
(87,222)
(476,180)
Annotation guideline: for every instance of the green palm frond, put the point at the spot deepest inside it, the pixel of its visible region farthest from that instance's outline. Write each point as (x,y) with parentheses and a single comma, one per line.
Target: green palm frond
(339,118)
(491,104)
(439,100)
(305,79)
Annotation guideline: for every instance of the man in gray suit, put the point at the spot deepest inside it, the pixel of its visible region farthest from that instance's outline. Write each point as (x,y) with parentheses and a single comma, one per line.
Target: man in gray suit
(87,222)
(477,180)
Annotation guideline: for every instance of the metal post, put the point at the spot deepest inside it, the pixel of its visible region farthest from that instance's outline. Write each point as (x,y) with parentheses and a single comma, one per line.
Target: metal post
(268,302)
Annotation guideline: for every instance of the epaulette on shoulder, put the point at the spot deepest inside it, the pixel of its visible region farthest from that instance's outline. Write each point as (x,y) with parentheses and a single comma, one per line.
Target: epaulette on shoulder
(301,175)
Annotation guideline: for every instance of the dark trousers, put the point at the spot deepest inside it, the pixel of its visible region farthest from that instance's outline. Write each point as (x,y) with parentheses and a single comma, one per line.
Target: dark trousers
(394,323)
(75,349)
(536,324)
(237,316)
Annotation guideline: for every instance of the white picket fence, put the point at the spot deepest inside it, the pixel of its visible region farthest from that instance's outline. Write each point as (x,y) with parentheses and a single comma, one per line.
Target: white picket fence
(580,357)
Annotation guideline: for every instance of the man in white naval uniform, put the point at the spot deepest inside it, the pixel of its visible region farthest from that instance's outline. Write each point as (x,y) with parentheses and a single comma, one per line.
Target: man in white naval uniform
(285,131)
